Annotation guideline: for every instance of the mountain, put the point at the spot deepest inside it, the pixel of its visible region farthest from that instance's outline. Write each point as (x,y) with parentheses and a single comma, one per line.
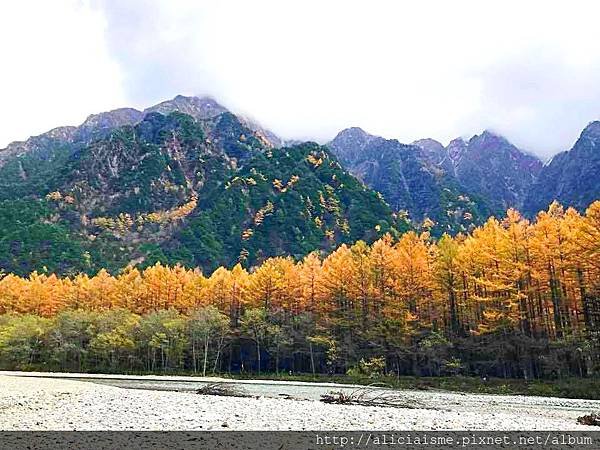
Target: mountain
(187,181)
(389,167)
(571,177)
(487,165)
(154,165)
(435,154)
(455,150)
(202,108)
(96,126)
(37,158)
(199,108)
(456,186)
(495,169)
(413,179)
(200,191)
(286,201)
(119,194)
(40,145)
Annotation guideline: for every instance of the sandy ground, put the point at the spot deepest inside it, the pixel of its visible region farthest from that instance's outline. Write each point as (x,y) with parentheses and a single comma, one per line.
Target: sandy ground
(28,403)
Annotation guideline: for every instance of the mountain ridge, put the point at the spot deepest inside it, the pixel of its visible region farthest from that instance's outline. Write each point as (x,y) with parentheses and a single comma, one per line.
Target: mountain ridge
(409,179)
(456,185)
(571,177)
(99,124)
(176,189)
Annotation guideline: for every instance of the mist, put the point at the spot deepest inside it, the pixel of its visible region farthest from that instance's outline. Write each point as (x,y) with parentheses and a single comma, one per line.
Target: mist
(405,70)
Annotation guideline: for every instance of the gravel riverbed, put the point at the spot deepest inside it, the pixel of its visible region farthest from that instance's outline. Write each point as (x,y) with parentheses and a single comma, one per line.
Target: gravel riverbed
(30,403)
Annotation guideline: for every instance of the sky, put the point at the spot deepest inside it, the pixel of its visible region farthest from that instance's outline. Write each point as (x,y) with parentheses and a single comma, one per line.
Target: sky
(307,69)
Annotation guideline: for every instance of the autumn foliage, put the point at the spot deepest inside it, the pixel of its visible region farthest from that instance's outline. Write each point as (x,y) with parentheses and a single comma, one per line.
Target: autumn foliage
(534,286)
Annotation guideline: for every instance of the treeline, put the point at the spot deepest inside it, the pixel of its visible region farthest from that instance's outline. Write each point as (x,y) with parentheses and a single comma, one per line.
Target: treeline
(511,299)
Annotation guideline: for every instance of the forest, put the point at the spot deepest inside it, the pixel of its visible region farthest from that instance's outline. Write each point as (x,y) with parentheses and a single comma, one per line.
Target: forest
(514,298)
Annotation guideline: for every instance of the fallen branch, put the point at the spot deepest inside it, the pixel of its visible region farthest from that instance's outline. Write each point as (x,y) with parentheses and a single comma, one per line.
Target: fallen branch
(371,396)
(221,389)
(589,419)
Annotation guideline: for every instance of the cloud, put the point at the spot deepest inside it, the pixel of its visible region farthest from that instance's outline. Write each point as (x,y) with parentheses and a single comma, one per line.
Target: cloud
(399,69)
(56,68)
(157,46)
(539,99)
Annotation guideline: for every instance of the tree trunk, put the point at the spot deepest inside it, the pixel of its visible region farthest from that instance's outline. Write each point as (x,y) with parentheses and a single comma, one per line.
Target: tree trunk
(220,345)
(258,355)
(312,358)
(205,356)
(194,357)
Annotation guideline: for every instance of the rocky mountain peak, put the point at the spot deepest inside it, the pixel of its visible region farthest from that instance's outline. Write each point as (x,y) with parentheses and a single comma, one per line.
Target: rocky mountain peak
(61,132)
(350,143)
(456,149)
(492,145)
(435,153)
(496,169)
(429,145)
(355,134)
(101,123)
(489,140)
(571,177)
(592,130)
(203,108)
(458,142)
(115,118)
(39,144)
(197,107)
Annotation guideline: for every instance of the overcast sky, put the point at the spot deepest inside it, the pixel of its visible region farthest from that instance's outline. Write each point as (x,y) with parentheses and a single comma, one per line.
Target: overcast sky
(529,70)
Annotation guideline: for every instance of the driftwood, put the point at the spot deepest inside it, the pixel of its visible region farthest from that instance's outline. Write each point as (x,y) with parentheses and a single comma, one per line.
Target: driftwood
(371,396)
(589,419)
(221,389)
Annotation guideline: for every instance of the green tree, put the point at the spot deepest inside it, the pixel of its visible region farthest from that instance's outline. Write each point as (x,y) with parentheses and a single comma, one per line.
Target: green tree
(162,337)
(69,339)
(114,339)
(206,325)
(22,340)
(255,324)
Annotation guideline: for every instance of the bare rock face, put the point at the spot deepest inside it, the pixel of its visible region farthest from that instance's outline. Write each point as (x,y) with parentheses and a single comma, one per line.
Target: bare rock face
(197,107)
(203,108)
(436,154)
(349,145)
(495,169)
(489,166)
(40,145)
(94,127)
(430,180)
(102,123)
(456,150)
(97,126)
(571,177)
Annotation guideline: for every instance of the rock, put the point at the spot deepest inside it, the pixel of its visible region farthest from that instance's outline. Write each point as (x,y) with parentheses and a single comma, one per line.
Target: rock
(571,177)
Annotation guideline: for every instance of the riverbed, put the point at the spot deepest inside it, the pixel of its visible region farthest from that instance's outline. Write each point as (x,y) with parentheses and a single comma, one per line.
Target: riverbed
(101,402)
